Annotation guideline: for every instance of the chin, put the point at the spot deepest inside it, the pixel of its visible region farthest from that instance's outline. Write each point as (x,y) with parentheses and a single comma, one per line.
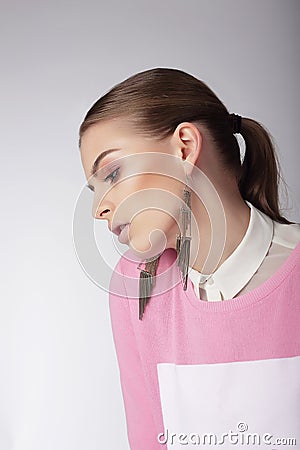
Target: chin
(145,247)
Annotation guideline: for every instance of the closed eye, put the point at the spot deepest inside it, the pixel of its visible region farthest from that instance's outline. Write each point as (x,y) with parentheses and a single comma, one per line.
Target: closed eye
(113,176)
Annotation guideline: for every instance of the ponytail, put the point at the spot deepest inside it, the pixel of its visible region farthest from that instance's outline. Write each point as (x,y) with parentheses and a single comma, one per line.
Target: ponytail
(260,172)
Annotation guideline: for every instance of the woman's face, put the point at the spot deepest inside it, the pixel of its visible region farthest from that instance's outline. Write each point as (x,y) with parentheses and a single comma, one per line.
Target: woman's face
(125,192)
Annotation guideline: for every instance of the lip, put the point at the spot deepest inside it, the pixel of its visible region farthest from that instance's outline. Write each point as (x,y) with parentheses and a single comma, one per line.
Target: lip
(117,230)
(124,234)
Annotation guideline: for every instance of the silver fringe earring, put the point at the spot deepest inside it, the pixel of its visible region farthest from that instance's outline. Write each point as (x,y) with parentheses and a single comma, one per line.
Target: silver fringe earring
(146,283)
(183,240)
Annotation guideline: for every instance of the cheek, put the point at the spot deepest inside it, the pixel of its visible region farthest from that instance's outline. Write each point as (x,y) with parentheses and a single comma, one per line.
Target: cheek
(149,204)
(152,205)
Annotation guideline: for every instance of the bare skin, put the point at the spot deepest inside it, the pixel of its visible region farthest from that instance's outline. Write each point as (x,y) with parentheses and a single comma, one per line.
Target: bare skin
(123,198)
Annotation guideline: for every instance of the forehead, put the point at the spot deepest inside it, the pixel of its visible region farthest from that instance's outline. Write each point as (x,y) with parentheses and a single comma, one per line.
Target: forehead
(106,131)
(100,137)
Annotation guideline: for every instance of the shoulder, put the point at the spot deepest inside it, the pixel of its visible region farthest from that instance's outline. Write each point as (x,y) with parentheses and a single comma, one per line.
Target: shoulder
(287,235)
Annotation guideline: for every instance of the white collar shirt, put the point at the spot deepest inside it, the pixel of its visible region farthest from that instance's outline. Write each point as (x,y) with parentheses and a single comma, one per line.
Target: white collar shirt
(264,237)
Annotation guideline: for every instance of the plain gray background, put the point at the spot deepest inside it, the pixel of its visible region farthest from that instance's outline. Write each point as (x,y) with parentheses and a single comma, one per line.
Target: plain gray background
(59,381)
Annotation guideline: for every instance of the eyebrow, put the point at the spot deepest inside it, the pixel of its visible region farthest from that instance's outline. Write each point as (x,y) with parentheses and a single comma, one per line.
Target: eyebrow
(97,162)
(100,157)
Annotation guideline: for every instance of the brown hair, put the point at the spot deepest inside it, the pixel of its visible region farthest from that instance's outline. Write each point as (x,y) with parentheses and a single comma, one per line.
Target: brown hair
(157,100)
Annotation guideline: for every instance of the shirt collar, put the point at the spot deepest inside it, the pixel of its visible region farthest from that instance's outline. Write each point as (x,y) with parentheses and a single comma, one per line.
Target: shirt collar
(235,272)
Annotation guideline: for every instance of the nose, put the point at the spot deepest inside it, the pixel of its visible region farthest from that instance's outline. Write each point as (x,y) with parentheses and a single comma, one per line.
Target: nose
(103,210)
(102,214)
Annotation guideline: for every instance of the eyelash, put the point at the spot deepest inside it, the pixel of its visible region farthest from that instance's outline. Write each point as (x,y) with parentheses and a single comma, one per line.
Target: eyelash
(106,178)
(110,175)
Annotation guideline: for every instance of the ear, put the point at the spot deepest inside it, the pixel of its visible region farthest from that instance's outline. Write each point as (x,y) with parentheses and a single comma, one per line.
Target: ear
(187,140)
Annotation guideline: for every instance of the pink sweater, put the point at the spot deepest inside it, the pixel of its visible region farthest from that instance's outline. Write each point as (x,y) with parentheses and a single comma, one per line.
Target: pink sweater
(191,367)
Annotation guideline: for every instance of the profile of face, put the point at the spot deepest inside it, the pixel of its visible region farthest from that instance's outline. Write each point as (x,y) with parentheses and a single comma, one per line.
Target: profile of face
(138,181)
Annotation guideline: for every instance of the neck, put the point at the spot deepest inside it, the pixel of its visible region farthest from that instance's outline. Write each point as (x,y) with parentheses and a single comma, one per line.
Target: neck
(216,228)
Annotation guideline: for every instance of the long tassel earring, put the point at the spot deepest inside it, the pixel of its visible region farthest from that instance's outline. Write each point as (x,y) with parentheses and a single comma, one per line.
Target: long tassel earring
(183,240)
(146,284)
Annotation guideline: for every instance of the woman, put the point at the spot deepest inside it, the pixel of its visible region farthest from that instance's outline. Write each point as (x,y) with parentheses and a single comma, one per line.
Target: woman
(205,304)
